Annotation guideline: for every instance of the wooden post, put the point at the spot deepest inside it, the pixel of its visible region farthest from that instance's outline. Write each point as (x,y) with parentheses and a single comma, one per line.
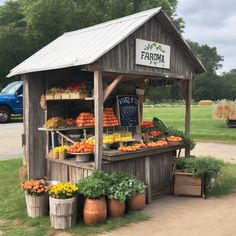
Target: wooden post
(98,109)
(188,111)
(148,179)
(26,121)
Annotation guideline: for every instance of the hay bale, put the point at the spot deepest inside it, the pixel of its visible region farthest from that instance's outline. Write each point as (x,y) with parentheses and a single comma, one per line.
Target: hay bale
(205,102)
(225,110)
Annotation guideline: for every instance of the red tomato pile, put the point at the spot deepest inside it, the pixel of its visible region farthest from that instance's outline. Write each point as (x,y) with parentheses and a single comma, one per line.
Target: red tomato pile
(154,133)
(147,124)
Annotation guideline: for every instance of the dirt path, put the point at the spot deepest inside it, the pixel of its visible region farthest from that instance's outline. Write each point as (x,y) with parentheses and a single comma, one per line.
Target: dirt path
(179,216)
(226,152)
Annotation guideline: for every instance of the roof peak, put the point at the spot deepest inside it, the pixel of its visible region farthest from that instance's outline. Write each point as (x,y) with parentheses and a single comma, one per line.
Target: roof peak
(151,11)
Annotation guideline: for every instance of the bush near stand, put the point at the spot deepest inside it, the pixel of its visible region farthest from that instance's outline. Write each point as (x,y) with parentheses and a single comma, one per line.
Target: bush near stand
(194,175)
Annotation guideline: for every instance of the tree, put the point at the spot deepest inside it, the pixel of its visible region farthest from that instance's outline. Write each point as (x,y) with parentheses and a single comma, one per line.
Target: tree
(208,55)
(229,85)
(207,85)
(28,25)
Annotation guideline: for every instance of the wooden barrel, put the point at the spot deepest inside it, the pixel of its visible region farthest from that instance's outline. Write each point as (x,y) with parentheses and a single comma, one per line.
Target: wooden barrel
(36,205)
(63,212)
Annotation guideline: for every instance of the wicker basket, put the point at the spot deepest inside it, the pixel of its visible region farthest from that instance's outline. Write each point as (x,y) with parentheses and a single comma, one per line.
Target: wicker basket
(36,205)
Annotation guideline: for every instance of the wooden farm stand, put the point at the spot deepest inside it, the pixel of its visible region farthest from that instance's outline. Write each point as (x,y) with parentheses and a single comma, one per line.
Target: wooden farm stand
(106,55)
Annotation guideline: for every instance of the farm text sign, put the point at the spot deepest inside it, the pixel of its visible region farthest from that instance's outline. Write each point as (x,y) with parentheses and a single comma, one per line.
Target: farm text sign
(152,54)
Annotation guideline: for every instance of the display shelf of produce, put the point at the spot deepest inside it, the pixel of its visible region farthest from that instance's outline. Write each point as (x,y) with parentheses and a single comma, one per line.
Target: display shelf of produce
(71,128)
(115,155)
(69,99)
(64,129)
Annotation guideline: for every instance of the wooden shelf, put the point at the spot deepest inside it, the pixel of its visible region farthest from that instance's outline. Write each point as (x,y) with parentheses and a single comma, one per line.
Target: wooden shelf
(115,155)
(71,99)
(70,128)
(64,129)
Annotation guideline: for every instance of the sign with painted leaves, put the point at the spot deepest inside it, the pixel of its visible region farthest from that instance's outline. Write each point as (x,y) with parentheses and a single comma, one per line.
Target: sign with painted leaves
(128,109)
(152,54)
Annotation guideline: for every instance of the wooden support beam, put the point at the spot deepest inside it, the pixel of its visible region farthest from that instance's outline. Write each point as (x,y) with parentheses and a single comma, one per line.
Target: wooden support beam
(111,87)
(98,109)
(188,111)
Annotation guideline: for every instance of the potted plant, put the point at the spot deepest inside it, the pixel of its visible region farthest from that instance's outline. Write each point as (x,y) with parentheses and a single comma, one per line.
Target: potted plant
(193,175)
(117,194)
(36,197)
(63,205)
(135,193)
(94,189)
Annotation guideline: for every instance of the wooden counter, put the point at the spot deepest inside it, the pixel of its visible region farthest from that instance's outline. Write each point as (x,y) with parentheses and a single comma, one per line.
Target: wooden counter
(151,165)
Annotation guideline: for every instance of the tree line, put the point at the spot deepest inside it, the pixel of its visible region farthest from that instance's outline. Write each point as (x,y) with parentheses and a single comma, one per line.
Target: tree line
(28,25)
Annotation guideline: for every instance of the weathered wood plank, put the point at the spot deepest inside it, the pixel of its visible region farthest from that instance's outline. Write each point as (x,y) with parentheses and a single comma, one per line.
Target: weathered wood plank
(121,59)
(187,180)
(148,179)
(188,112)
(34,117)
(188,190)
(98,109)
(111,87)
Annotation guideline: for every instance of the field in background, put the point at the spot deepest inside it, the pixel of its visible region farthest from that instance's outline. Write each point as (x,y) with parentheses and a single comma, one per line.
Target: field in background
(203,127)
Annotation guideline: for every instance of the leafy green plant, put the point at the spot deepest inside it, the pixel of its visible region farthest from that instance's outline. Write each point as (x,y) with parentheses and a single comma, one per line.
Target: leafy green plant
(207,167)
(94,186)
(117,188)
(133,186)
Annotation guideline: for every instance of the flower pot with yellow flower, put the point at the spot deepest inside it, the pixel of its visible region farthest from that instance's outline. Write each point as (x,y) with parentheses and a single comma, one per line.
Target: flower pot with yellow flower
(36,197)
(63,203)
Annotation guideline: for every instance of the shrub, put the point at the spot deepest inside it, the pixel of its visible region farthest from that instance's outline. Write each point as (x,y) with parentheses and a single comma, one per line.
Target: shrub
(94,186)
(207,167)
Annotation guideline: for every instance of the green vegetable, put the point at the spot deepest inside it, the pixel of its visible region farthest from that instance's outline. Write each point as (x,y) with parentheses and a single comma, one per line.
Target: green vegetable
(94,186)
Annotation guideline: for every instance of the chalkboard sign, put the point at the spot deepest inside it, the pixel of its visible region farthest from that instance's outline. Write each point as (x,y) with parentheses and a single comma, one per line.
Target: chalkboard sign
(128,109)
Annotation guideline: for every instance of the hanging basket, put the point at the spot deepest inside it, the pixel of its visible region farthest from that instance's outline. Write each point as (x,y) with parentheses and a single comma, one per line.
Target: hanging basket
(36,205)
(63,212)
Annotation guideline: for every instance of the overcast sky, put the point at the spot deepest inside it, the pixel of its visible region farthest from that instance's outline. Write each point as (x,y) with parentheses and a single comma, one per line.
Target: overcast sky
(214,23)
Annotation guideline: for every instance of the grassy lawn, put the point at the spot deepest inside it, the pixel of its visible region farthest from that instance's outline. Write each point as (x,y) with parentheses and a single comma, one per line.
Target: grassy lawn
(203,127)
(13,215)
(14,220)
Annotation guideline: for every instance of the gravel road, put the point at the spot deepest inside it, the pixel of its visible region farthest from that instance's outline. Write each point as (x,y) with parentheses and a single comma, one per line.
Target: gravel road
(10,141)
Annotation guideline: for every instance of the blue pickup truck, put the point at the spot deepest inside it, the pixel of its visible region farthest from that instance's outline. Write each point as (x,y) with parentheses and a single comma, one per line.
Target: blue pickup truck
(11,101)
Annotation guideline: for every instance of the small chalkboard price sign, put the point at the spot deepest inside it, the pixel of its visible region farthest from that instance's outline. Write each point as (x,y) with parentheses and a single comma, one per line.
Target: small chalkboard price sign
(128,110)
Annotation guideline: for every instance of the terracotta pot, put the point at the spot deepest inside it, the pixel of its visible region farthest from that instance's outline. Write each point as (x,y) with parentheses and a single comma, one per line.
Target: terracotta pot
(137,202)
(115,208)
(95,211)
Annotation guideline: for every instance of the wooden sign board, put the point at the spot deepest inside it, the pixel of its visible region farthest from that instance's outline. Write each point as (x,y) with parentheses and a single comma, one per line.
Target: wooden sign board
(128,110)
(152,54)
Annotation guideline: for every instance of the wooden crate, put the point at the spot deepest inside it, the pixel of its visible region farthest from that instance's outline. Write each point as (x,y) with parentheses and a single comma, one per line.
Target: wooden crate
(188,185)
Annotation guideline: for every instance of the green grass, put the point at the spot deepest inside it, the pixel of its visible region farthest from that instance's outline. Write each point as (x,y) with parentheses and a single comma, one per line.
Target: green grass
(227,183)
(203,127)
(13,216)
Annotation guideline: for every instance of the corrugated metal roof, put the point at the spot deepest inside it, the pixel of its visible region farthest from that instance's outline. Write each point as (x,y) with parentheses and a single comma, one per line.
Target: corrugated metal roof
(83,46)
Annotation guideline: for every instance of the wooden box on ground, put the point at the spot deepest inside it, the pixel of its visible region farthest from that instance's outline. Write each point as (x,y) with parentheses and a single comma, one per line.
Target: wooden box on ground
(187,184)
